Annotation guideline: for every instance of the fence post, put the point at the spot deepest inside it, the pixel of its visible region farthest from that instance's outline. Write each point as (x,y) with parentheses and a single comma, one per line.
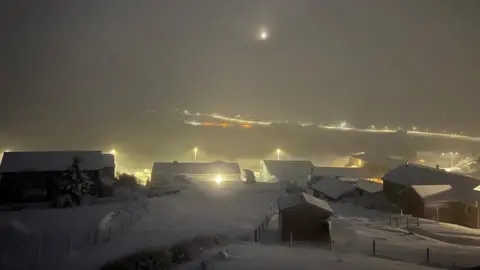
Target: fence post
(291,240)
(266,222)
(374,247)
(397,221)
(418,221)
(428,256)
(329,242)
(408,218)
(256,236)
(391,223)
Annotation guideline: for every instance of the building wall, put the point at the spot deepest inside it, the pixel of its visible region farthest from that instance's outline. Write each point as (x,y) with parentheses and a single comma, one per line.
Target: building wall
(391,190)
(304,223)
(411,203)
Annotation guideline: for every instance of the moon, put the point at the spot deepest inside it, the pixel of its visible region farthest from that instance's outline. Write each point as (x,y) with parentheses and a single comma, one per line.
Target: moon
(263,34)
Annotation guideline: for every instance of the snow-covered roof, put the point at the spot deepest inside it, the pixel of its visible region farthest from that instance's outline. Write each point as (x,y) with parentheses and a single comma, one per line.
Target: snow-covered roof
(284,169)
(108,160)
(51,161)
(298,199)
(425,191)
(369,186)
(387,162)
(359,173)
(414,174)
(197,168)
(432,194)
(333,187)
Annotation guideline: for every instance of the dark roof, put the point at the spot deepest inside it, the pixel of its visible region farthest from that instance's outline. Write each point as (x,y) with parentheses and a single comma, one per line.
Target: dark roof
(333,188)
(298,199)
(414,174)
(108,160)
(284,169)
(359,173)
(49,161)
(199,168)
(384,161)
(369,186)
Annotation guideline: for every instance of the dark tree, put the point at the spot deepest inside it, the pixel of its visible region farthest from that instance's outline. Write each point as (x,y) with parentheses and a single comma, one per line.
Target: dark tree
(73,186)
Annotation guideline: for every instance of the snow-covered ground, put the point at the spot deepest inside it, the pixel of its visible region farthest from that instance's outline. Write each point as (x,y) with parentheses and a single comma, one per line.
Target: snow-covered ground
(238,209)
(449,233)
(34,236)
(255,256)
(230,208)
(355,228)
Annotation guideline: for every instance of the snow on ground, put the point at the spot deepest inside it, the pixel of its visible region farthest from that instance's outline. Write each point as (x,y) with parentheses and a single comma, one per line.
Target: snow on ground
(354,229)
(228,208)
(449,233)
(255,256)
(33,235)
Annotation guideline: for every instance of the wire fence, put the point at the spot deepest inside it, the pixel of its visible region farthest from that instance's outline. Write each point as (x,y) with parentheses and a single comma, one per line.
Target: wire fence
(25,251)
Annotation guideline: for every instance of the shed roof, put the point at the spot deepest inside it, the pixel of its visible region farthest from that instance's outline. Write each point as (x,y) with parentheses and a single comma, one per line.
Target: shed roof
(288,168)
(333,187)
(43,161)
(414,174)
(198,168)
(298,199)
(358,173)
(425,191)
(108,160)
(384,161)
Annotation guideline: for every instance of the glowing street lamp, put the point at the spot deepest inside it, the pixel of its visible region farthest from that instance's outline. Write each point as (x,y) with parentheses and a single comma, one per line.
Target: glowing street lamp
(278,153)
(113,151)
(195,151)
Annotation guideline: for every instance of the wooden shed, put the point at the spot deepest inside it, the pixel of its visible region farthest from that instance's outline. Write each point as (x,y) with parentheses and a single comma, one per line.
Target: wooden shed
(304,218)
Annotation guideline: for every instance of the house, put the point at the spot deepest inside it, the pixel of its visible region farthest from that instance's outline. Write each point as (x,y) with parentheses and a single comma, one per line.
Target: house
(304,218)
(407,175)
(332,189)
(375,164)
(285,170)
(441,203)
(22,172)
(164,172)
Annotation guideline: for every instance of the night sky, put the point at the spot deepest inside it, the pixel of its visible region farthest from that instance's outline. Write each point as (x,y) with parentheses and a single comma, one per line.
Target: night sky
(73,64)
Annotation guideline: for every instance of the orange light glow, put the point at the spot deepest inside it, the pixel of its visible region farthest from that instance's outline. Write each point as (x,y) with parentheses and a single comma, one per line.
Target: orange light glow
(246,126)
(225,125)
(376,180)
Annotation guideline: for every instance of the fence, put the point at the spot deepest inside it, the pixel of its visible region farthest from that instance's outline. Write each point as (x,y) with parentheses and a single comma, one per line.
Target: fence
(261,229)
(23,251)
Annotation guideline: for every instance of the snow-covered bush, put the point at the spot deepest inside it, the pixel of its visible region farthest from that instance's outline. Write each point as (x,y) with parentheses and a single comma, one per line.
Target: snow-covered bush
(73,186)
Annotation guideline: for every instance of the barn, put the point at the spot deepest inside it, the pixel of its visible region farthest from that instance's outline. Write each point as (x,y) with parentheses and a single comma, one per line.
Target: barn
(286,170)
(404,176)
(24,172)
(164,172)
(304,218)
(441,203)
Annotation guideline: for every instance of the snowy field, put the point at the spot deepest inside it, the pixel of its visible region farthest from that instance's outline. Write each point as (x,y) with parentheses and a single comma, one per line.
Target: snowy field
(449,233)
(355,228)
(236,209)
(255,256)
(33,236)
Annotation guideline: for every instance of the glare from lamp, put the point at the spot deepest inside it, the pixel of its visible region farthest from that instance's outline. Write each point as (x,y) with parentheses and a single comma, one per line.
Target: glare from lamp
(113,151)
(218,179)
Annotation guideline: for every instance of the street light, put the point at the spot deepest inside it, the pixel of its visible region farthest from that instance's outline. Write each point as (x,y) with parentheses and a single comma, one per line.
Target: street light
(113,151)
(195,150)
(278,153)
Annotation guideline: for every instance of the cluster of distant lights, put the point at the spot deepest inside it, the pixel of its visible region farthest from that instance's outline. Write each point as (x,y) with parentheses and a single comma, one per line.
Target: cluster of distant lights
(344,126)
